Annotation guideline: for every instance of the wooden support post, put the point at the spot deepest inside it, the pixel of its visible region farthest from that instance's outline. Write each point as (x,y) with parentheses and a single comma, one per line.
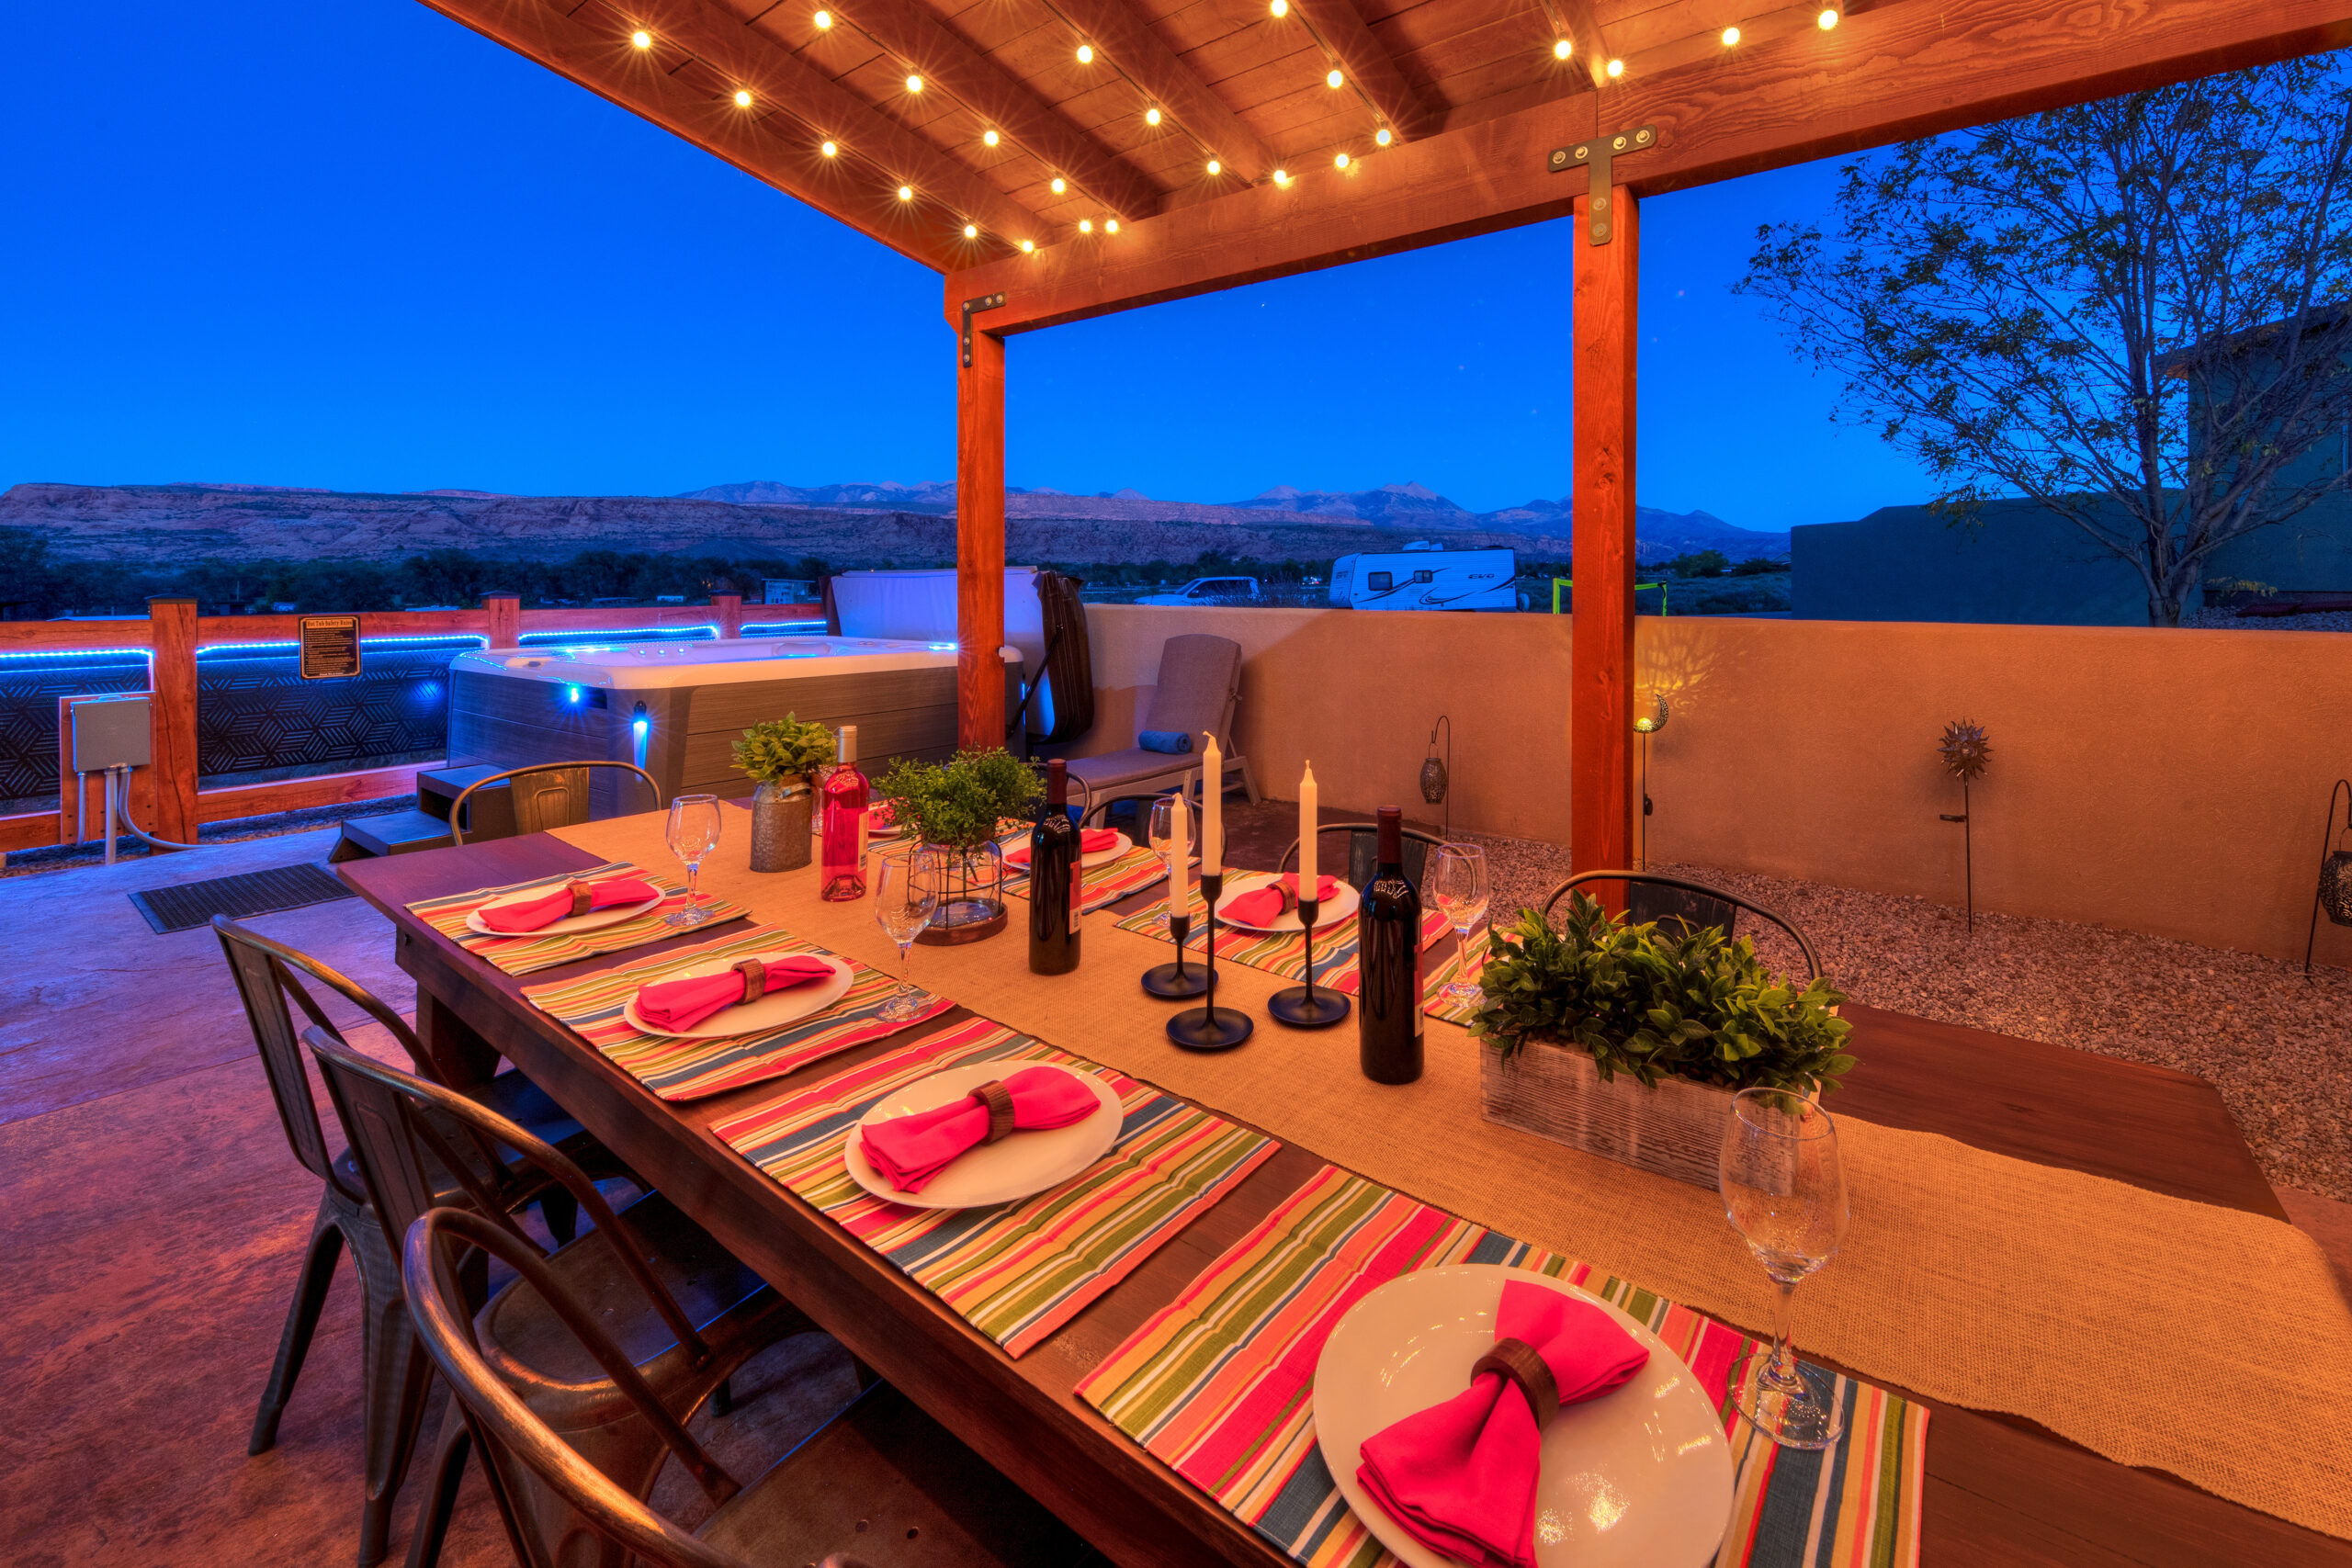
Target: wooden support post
(1600,732)
(504,614)
(980,544)
(727,609)
(171,718)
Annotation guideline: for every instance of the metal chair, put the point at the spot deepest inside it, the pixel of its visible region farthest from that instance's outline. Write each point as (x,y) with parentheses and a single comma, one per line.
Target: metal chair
(1364,851)
(879,1462)
(547,795)
(674,1307)
(1698,906)
(266,972)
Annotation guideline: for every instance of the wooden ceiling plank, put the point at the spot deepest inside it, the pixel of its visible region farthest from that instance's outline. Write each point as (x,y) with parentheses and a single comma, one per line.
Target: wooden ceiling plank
(1888,74)
(1112,26)
(1584,31)
(1369,65)
(910,31)
(602,63)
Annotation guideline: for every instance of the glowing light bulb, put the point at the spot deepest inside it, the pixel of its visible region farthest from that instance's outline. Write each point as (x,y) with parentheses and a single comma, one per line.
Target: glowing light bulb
(830,150)
(1828,18)
(1341,162)
(971,230)
(905,193)
(1216,167)
(1086,54)
(641,38)
(1280,7)
(1086,225)
(914,84)
(1060,185)
(990,137)
(1282,176)
(742,99)
(1731,37)
(1028,245)
(1110,226)
(1562,48)
(1383,136)
(1334,79)
(1616,68)
(823,19)
(1151,117)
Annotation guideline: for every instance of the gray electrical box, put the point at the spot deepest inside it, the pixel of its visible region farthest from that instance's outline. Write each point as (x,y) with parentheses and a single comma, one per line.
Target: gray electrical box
(110,732)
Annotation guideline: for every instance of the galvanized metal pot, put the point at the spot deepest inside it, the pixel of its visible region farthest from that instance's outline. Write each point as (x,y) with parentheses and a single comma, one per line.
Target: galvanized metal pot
(780,830)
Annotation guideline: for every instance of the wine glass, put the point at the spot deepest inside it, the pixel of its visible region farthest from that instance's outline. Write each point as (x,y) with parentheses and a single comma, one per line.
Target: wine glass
(1159,831)
(906,895)
(1784,1189)
(1457,884)
(694,833)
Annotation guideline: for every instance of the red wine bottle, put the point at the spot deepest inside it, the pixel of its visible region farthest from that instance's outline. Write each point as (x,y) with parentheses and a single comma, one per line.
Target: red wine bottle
(1054,871)
(1388,1009)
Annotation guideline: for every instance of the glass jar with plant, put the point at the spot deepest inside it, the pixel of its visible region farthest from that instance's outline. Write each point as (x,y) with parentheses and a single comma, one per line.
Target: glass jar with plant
(783,756)
(958,807)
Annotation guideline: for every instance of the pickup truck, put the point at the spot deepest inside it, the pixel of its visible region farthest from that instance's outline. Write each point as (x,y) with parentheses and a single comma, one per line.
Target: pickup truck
(1210,590)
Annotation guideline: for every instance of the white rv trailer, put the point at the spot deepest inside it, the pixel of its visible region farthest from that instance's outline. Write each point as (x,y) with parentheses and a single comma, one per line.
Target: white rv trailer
(1426,577)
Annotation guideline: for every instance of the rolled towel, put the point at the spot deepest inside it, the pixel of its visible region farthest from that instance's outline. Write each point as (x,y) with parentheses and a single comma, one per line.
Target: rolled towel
(1174,743)
(562,903)
(1264,906)
(680,1004)
(911,1150)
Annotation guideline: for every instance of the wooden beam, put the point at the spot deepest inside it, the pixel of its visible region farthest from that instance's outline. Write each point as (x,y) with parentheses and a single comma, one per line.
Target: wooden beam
(727,610)
(502,619)
(912,33)
(794,108)
(308,793)
(1886,75)
(171,719)
(1113,27)
(1600,704)
(1370,66)
(1583,28)
(980,544)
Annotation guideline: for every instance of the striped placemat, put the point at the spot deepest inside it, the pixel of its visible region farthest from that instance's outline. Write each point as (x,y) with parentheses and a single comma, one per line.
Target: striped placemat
(1337,946)
(1015,1271)
(689,1070)
(531,952)
(1100,885)
(1219,1386)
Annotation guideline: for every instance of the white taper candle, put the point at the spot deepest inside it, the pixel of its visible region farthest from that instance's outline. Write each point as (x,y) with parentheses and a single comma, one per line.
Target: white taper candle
(1307,821)
(1180,854)
(1212,808)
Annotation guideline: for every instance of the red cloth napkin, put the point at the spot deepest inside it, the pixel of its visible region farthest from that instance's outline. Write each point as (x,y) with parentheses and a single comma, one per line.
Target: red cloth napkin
(1090,842)
(682,1004)
(556,904)
(1461,1476)
(1264,906)
(911,1150)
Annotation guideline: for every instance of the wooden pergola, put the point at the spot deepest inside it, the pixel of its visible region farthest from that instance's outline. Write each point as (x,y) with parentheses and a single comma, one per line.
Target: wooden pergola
(1061,159)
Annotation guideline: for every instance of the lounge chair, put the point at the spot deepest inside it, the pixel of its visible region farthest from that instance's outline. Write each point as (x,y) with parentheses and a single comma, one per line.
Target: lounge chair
(1199,686)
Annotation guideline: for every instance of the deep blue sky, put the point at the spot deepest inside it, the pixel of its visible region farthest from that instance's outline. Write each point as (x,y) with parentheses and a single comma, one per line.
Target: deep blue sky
(353,245)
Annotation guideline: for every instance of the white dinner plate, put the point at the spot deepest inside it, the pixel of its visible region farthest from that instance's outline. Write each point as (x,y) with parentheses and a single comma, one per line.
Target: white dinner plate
(1335,908)
(1100,857)
(771,1011)
(993,1173)
(594,919)
(1638,1478)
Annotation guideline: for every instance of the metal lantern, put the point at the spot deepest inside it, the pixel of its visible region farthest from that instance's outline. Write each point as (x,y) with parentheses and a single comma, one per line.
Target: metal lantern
(2336,886)
(2334,870)
(1436,772)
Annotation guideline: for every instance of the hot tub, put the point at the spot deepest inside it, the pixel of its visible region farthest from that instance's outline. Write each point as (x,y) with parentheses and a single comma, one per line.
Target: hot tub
(676,708)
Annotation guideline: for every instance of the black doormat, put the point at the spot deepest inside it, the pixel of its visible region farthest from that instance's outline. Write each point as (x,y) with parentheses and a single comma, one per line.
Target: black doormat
(249,892)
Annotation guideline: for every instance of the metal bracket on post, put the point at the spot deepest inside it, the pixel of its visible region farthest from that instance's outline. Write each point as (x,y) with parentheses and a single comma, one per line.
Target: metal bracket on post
(1596,155)
(984,303)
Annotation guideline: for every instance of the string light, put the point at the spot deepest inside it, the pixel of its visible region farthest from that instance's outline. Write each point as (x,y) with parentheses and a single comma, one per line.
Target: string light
(823,19)
(1151,117)
(830,150)
(1280,7)
(1110,226)
(1060,185)
(742,99)
(1616,68)
(641,38)
(1562,48)
(971,230)
(990,137)
(1216,167)
(1282,176)
(905,193)
(1731,37)
(1028,245)
(1086,225)
(1334,79)
(1828,17)
(914,84)
(1383,136)
(1086,54)
(1341,162)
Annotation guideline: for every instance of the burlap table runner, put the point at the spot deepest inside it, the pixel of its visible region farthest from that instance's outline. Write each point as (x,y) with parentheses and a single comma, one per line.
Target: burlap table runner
(2197,1340)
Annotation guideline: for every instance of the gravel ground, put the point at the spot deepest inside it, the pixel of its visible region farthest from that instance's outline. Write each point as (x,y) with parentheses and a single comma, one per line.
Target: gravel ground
(2319,621)
(2274,1044)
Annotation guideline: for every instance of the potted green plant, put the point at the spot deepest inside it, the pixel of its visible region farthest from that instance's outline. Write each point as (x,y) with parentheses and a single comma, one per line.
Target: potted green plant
(955,809)
(783,755)
(1628,1041)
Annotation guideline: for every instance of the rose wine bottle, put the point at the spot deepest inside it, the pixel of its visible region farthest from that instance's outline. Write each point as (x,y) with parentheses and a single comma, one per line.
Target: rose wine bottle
(841,865)
(1054,871)
(1388,1009)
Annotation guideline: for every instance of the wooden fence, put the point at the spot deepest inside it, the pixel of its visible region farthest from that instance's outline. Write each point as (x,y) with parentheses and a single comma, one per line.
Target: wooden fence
(166,798)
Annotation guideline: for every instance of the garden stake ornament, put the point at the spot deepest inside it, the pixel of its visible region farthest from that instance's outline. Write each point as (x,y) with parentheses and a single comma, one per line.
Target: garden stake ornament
(1965,751)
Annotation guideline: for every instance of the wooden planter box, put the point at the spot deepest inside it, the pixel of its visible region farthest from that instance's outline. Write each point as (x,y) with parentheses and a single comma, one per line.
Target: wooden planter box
(1555,1092)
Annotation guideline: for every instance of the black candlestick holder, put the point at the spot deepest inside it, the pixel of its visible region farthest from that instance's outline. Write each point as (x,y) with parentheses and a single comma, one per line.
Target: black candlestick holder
(1174,981)
(1303,1007)
(1208,1027)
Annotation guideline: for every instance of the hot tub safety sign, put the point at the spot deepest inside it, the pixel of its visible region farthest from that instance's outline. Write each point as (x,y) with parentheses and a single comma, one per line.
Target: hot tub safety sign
(330,646)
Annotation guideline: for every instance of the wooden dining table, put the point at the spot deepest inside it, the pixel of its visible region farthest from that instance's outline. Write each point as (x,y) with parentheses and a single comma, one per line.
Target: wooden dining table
(1998,1489)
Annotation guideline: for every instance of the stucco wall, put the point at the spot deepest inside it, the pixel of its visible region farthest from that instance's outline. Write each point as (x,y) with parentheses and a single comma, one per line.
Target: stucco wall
(2168,782)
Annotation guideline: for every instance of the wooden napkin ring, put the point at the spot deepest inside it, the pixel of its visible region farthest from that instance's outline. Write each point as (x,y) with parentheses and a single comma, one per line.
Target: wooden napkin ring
(999,1099)
(581,896)
(755,978)
(1517,1360)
